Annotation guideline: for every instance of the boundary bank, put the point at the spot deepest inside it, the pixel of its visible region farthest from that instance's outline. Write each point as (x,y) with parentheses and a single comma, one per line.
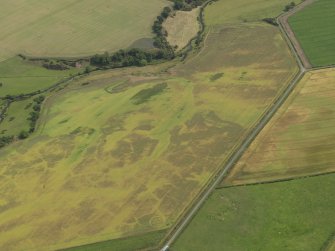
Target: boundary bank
(277,180)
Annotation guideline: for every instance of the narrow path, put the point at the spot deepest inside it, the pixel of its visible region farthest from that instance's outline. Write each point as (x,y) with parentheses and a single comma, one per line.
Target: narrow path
(304,65)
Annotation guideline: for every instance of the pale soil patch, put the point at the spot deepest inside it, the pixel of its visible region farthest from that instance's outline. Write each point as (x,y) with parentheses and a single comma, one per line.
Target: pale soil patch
(182,27)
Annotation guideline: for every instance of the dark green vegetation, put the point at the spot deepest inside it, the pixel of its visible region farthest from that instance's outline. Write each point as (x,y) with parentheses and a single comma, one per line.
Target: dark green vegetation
(216,76)
(314,28)
(132,57)
(187,4)
(145,94)
(289,6)
(296,215)
(125,244)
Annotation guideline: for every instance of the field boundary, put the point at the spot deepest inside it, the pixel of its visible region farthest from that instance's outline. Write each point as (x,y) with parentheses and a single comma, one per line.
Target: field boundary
(139,234)
(277,180)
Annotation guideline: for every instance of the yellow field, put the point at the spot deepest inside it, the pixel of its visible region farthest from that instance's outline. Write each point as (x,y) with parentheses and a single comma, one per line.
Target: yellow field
(182,27)
(299,141)
(101,166)
(74,27)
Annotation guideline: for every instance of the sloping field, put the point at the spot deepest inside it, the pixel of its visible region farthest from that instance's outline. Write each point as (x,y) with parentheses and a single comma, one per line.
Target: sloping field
(299,141)
(314,28)
(73,27)
(294,215)
(126,154)
(182,27)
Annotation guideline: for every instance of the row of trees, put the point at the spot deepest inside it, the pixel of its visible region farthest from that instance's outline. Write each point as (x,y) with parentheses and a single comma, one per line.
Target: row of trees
(33,116)
(187,5)
(139,57)
(132,57)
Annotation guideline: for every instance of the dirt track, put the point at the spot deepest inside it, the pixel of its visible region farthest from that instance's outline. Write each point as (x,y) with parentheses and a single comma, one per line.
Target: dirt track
(284,22)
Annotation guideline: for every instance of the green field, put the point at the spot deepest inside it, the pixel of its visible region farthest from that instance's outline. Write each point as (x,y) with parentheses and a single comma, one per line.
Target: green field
(243,11)
(314,28)
(16,118)
(299,140)
(295,215)
(87,164)
(71,28)
(20,76)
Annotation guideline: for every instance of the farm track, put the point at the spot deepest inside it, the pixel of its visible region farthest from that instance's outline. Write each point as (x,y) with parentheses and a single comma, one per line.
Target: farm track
(304,66)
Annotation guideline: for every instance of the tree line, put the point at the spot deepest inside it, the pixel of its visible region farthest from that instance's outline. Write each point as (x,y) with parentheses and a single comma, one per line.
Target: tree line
(132,57)
(140,57)
(187,5)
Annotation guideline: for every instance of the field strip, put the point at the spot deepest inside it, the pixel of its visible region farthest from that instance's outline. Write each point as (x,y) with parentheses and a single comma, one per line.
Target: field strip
(278,180)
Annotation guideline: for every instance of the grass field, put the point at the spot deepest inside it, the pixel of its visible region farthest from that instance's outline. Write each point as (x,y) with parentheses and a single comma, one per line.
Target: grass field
(299,140)
(294,215)
(16,118)
(182,27)
(313,27)
(65,28)
(19,76)
(83,176)
(243,11)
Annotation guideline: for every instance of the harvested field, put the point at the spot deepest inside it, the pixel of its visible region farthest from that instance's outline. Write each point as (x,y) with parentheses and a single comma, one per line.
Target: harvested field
(182,27)
(299,141)
(72,28)
(292,215)
(314,28)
